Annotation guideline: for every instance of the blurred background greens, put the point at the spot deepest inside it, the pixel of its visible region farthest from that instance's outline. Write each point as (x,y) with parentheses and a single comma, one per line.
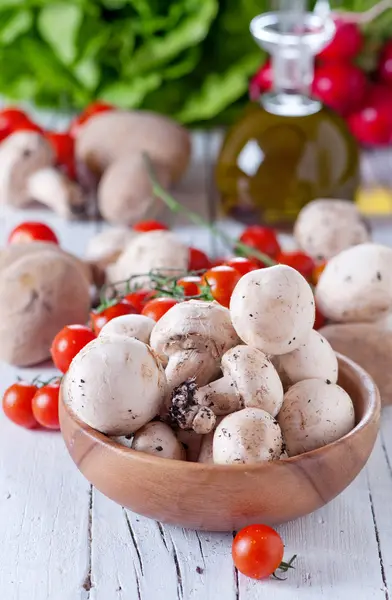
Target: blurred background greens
(191,59)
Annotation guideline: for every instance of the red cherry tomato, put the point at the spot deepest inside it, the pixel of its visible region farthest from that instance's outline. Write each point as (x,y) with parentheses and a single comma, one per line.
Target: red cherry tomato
(67,343)
(242,265)
(139,298)
(190,284)
(221,281)
(27,126)
(372,124)
(99,318)
(64,148)
(341,86)
(261,82)
(320,320)
(198,260)
(32,231)
(144,226)
(299,261)
(257,551)
(345,45)
(45,405)
(17,404)
(10,118)
(156,308)
(263,239)
(91,110)
(385,63)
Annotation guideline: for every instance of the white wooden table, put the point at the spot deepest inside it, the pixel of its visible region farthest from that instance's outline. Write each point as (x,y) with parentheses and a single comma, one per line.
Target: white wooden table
(62,540)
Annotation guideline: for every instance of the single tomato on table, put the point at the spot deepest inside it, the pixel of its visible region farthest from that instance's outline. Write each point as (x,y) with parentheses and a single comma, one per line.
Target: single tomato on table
(198,260)
(45,405)
(139,298)
(32,231)
(263,239)
(145,226)
(17,404)
(190,284)
(299,261)
(156,308)
(242,264)
(257,551)
(68,343)
(221,281)
(101,316)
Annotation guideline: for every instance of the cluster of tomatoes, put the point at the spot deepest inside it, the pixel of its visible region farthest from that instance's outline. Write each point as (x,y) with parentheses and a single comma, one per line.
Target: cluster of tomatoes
(15,119)
(343,86)
(34,404)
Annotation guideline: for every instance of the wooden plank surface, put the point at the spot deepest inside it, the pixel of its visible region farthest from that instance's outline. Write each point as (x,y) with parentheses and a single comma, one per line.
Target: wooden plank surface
(63,541)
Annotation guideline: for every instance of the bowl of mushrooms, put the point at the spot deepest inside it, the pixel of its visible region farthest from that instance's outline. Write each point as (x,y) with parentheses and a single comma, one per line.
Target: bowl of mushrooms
(215,418)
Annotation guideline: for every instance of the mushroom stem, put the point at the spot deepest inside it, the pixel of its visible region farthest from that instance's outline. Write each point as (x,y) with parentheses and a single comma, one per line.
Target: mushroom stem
(190,364)
(221,396)
(187,414)
(51,187)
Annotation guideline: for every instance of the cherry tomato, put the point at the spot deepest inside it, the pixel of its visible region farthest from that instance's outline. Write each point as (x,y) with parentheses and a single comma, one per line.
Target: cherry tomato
(90,111)
(190,284)
(32,231)
(341,86)
(385,63)
(242,265)
(346,43)
(198,260)
(17,404)
(318,269)
(64,148)
(320,320)
(99,318)
(139,298)
(299,261)
(45,405)
(372,124)
(27,126)
(257,551)
(67,343)
(221,281)
(156,308)
(261,82)
(144,226)
(261,238)
(10,118)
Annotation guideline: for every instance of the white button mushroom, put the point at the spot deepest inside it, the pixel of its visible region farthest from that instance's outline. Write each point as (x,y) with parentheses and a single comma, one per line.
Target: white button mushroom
(136,326)
(158,439)
(194,335)
(356,285)
(314,359)
(325,227)
(314,413)
(115,384)
(105,247)
(273,309)
(248,436)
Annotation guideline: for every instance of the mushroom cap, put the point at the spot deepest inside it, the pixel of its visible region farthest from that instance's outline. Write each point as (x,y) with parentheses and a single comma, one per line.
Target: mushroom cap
(115,384)
(160,440)
(161,250)
(273,309)
(248,436)
(314,413)
(125,194)
(123,440)
(110,136)
(135,326)
(21,154)
(107,245)
(314,359)
(356,285)
(255,378)
(194,324)
(325,227)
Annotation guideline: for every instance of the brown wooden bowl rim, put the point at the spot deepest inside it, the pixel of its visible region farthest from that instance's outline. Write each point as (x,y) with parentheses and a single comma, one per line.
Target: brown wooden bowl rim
(373,407)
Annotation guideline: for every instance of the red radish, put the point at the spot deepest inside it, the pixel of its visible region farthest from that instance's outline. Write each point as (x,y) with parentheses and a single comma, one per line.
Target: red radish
(372,124)
(262,81)
(385,63)
(379,93)
(341,86)
(345,45)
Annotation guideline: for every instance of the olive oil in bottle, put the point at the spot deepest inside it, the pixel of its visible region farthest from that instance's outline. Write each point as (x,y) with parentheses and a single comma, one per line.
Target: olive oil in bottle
(288,149)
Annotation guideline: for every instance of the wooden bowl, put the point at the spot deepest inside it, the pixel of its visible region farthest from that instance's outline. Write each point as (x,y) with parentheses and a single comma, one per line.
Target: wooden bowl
(227,497)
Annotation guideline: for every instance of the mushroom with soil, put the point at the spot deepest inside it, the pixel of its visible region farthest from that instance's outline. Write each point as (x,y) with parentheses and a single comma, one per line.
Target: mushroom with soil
(314,414)
(249,380)
(115,384)
(155,438)
(356,285)
(314,359)
(27,173)
(273,309)
(325,227)
(135,326)
(124,191)
(248,436)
